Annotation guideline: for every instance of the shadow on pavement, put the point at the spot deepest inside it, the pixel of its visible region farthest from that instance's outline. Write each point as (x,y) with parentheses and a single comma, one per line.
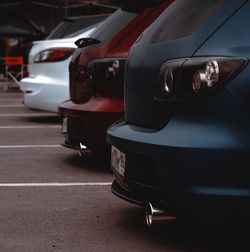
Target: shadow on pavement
(185,236)
(45,119)
(87,163)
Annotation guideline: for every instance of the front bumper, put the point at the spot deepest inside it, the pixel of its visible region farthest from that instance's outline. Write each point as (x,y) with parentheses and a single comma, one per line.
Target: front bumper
(200,164)
(44,93)
(87,123)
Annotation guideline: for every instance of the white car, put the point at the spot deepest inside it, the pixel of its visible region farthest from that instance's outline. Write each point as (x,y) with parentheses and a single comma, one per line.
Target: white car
(48,82)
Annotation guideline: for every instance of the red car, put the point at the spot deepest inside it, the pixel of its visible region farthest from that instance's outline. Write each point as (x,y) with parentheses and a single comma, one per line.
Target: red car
(96,77)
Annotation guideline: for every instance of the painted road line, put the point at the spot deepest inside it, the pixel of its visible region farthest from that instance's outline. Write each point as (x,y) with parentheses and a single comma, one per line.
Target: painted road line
(12,106)
(28,115)
(10,98)
(54,184)
(30,146)
(32,127)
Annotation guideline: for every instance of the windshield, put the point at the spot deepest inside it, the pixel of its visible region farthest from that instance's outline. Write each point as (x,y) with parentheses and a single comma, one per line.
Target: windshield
(181,19)
(113,24)
(72,27)
(89,29)
(60,30)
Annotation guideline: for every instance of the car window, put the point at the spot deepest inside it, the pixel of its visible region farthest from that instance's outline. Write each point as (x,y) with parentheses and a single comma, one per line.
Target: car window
(89,28)
(72,27)
(60,30)
(113,24)
(181,19)
(84,23)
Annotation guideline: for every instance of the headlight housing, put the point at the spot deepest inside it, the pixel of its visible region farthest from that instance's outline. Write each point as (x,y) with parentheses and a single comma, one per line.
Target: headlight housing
(106,76)
(197,76)
(103,76)
(107,67)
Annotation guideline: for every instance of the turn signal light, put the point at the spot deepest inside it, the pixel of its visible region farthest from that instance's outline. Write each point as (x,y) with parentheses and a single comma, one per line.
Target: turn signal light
(53,55)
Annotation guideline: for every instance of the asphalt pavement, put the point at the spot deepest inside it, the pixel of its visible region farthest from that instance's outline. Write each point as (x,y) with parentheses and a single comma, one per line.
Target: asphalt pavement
(53,200)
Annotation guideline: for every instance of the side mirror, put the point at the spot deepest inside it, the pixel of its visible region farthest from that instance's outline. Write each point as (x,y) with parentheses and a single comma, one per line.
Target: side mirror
(82,42)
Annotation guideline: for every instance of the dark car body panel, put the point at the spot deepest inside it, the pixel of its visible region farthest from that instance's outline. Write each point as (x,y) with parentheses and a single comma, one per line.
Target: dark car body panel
(143,109)
(199,146)
(105,103)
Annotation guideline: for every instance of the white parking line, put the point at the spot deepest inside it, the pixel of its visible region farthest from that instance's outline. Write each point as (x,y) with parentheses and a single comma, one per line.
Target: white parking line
(10,99)
(30,146)
(31,114)
(11,106)
(32,127)
(54,184)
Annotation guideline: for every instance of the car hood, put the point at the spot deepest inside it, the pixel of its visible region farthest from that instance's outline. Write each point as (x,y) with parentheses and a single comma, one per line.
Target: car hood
(144,63)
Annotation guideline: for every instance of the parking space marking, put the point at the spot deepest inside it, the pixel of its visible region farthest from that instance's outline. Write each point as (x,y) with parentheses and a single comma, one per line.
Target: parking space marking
(28,114)
(54,184)
(31,146)
(12,106)
(32,127)
(9,98)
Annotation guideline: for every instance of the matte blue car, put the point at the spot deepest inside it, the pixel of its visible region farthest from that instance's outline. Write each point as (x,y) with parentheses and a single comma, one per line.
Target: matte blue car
(184,147)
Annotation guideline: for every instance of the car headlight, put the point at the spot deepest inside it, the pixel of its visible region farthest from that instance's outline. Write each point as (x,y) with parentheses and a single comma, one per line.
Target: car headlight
(106,68)
(53,55)
(195,76)
(102,76)
(106,75)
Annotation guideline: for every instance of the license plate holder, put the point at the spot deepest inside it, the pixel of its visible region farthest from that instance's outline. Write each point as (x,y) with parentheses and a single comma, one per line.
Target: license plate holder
(118,161)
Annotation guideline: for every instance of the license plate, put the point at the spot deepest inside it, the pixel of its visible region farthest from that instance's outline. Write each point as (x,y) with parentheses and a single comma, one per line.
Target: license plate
(65,125)
(118,160)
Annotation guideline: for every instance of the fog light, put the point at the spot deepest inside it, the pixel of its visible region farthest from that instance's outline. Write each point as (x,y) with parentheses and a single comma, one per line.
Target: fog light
(168,80)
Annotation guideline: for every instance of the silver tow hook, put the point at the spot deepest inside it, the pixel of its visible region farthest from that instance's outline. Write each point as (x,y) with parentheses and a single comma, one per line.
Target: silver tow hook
(83,150)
